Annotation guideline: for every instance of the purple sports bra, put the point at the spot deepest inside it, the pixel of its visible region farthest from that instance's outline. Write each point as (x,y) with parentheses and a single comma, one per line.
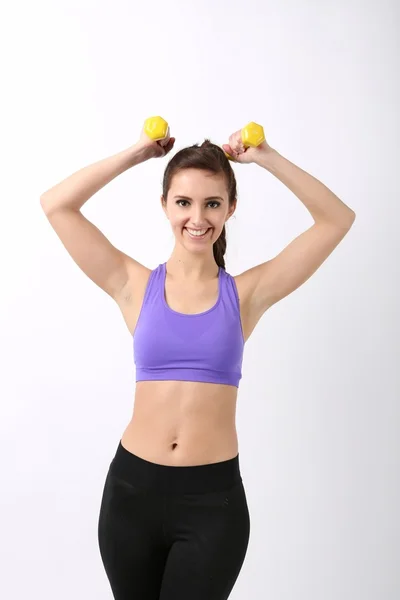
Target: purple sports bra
(206,347)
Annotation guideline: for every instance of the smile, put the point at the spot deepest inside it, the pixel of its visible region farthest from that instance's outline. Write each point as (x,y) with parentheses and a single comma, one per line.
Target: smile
(197,235)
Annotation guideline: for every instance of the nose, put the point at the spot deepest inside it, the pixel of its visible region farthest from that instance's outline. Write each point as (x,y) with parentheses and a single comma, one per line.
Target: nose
(197,219)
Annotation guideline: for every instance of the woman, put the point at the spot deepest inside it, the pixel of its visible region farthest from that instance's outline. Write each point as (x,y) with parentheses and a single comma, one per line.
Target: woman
(174,521)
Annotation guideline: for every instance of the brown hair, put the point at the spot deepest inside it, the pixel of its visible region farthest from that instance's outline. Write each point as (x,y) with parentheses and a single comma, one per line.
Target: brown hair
(207,157)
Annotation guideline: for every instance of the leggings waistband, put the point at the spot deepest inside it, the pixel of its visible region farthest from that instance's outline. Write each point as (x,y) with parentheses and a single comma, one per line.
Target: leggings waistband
(195,479)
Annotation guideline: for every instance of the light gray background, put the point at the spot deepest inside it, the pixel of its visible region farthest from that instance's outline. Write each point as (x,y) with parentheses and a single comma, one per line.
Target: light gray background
(318,407)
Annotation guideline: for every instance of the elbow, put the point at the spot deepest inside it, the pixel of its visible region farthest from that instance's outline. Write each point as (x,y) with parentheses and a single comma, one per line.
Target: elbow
(43,200)
(46,203)
(348,220)
(43,203)
(344,223)
(352,217)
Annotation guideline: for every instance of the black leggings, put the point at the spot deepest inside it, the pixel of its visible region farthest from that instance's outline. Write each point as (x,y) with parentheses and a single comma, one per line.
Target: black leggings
(172,532)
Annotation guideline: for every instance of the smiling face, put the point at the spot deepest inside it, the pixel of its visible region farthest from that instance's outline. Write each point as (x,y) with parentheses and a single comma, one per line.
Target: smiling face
(197,200)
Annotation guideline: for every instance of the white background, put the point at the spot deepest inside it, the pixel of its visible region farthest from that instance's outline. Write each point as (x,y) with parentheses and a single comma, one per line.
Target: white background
(318,407)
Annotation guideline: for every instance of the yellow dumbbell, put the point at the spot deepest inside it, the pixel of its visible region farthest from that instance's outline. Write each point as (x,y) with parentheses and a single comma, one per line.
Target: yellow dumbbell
(156,128)
(252,135)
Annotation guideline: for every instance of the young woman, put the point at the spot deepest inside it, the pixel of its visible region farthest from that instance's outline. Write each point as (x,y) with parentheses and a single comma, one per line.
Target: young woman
(174,522)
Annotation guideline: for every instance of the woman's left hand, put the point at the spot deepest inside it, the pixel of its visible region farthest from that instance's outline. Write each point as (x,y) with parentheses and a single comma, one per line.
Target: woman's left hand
(241,154)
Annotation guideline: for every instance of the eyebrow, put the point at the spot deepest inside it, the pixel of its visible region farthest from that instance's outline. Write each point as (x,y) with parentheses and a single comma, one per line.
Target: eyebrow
(209,198)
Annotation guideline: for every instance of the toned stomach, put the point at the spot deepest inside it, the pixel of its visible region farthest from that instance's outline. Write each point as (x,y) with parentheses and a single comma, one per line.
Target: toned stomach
(183,423)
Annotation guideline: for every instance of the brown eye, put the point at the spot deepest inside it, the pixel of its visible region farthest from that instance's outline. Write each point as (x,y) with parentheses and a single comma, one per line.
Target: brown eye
(216,203)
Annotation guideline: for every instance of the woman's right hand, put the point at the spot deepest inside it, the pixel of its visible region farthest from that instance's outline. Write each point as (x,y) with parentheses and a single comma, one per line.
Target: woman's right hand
(154,149)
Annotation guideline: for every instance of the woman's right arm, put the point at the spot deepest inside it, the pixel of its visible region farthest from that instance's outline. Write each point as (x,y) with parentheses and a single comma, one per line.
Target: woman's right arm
(105,265)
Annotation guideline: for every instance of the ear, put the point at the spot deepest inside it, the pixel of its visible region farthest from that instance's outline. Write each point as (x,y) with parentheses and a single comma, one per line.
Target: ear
(164,205)
(231,210)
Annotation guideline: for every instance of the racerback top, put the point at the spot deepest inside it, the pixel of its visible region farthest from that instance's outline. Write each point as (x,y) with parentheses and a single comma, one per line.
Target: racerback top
(207,347)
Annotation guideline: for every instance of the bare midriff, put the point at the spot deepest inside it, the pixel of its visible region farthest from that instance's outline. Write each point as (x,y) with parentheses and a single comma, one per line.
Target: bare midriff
(183,423)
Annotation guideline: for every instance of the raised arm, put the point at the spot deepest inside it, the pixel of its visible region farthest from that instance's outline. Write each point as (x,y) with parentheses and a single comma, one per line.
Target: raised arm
(105,265)
(269,282)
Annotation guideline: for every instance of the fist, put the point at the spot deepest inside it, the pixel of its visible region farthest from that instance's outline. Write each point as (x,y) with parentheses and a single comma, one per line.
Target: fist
(156,149)
(239,153)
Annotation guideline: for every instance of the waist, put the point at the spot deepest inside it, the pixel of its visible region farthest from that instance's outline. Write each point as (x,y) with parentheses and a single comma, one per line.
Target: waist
(196,479)
(183,423)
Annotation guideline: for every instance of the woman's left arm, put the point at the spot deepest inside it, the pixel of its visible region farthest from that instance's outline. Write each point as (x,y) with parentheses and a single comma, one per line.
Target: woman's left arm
(269,282)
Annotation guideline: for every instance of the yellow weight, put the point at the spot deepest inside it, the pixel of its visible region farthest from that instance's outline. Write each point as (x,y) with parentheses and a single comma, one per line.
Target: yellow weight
(252,135)
(156,128)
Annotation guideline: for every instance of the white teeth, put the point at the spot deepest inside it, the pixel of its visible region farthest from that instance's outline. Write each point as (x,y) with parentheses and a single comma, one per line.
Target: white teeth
(197,233)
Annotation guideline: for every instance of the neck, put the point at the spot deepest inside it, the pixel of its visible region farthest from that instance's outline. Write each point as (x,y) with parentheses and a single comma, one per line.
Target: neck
(192,267)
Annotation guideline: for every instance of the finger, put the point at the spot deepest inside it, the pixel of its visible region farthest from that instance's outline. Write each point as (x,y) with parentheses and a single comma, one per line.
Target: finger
(170,145)
(163,150)
(236,142)
(228,150)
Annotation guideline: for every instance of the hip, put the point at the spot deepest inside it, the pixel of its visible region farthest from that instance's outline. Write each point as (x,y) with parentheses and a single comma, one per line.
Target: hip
(143,500)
